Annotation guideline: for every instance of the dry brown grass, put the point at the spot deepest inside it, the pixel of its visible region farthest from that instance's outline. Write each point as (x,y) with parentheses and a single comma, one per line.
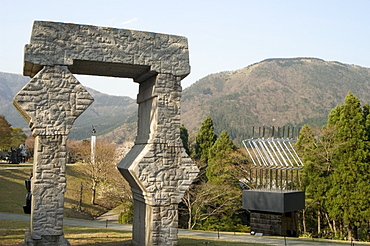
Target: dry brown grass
(12,232)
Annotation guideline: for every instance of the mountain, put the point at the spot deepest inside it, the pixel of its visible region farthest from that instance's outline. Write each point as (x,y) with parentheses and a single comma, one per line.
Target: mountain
(106,113)
(274,92)
(10,84)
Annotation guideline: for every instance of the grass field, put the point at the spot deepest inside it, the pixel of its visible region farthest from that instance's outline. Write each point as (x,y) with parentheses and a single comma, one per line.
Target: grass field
(12,199)
(12,232)
(13,192)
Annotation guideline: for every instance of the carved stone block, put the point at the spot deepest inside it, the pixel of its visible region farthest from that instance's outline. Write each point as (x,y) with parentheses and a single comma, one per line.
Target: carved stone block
(157,168)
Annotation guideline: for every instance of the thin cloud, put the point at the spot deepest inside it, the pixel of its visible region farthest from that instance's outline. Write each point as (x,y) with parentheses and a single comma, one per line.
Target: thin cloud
(130,21)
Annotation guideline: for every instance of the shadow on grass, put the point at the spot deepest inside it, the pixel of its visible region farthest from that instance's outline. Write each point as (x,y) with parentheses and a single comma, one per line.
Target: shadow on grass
(12,232)
(204,241)
(118,243)
(12,194)
(96,236)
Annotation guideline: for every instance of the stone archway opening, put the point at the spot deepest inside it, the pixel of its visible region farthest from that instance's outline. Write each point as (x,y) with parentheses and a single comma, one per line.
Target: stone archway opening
(114,104)
(157,167)
(112,86)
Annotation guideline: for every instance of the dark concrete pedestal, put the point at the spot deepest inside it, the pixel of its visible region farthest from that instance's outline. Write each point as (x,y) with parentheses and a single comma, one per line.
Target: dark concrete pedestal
(274,212)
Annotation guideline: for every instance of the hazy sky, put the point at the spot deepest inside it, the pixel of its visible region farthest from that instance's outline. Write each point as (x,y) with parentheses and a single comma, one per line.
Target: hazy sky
(223,35)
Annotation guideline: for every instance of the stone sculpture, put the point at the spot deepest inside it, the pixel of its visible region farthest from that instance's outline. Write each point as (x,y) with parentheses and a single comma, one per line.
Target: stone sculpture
(157,167)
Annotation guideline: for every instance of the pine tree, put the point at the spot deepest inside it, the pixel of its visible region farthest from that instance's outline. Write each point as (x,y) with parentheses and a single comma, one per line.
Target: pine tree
(204,140)
(316,150)
(348,197)
(220,163)
(184,135)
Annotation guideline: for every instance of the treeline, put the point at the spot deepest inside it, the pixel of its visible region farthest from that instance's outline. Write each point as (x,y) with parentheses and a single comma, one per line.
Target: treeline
(213,202)
(337,173)
(10,137)
(335,177)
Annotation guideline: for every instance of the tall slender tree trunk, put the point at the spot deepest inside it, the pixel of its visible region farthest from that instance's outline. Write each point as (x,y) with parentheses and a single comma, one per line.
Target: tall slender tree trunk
(80,201)
(335,228)
(189,211)
(355,232)
(304,221)
(93,188)
(329,223)
(318,222)
(349,231)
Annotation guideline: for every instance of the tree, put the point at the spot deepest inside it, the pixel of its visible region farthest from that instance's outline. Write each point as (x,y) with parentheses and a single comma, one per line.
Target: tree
(337,170)
(184,135)
(348,196)
(18,137)
(10,137)
(204,140)
(220,166)
(206,205)
(30,145)
(316,149)
(5,133)
(100,171)
(210,207)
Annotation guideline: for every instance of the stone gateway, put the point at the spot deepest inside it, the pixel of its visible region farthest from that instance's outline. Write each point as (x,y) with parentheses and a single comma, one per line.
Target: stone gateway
(157,167)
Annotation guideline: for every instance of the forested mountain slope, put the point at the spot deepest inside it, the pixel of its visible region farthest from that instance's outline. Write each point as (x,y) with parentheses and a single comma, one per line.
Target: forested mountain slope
(273,92)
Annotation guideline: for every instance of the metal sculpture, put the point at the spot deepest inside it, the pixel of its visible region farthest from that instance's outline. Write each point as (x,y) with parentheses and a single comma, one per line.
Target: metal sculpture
(273,194)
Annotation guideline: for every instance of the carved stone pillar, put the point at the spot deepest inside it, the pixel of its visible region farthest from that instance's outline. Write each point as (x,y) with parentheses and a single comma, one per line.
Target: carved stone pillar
(158,168)
(50,102)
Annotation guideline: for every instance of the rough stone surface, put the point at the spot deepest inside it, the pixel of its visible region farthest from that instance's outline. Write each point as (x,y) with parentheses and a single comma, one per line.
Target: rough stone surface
(70,44)
(157,167)
(50,102)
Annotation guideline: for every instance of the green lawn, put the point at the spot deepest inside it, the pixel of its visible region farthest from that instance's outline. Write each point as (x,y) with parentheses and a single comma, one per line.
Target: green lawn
(13,192)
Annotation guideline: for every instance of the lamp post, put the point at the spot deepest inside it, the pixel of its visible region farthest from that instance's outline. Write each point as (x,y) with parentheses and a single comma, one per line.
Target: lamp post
(93,144)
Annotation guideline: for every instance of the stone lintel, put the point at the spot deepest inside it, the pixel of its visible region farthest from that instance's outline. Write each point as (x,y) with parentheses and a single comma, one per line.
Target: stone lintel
(103,51)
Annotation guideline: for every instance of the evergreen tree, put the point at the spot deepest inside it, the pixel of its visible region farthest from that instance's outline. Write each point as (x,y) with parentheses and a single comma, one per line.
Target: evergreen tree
(316,150)
(220,162)
(366,110)
(204,140)
(348,197)
(184,135)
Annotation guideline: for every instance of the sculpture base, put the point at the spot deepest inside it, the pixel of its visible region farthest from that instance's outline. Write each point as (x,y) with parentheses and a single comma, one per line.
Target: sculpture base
(273,224)
(274,212)
(59,240)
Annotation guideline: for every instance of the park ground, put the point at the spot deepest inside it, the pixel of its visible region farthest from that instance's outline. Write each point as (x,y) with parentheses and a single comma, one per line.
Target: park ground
(107,231)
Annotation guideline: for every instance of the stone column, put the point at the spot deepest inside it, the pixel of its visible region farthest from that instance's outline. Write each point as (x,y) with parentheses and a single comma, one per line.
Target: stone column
(50,102)
(158,169)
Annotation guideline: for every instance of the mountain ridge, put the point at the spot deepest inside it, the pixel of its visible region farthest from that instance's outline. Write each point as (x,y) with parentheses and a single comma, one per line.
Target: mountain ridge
(275,91)
(104,107)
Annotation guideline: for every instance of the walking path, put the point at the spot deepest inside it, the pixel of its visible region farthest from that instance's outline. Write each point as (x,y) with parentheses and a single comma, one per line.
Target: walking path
(14,168)
(238,237)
